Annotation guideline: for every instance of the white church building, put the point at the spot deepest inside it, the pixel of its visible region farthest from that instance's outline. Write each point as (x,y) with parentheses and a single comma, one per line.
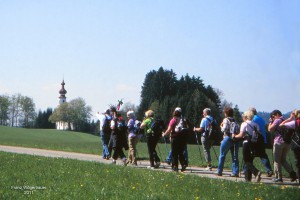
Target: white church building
(61,125)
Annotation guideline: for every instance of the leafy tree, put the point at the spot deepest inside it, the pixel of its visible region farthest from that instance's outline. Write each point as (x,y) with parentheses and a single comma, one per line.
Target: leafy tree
(80,113)
(75,113)
(4,109)
(28,111)
(15,109)
(61,114)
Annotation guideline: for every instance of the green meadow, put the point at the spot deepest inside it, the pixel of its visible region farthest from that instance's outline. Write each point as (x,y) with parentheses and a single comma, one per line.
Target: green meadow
(34,177)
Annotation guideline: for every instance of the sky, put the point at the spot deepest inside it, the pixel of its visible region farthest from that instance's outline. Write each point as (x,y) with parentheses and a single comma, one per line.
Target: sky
(249,50)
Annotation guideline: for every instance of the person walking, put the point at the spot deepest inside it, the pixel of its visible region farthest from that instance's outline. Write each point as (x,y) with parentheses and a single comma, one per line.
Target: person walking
(206,143)
(152,139)
(293,123)
(263,157)
(105,132)
(228,144)
(132,138)
(118,137)
(247,131)
(280,148)
(178,140)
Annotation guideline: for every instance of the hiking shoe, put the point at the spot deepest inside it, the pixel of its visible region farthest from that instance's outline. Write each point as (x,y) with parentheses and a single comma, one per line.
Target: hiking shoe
(234,175)
(107,157)
(293,176)
(124,162)
(183,168)
(157,165)
(258,177)
(175,169)
(114,162)
(270,174)
(168,162)
(277,180)
(150,167)
(217,173)
(208,168)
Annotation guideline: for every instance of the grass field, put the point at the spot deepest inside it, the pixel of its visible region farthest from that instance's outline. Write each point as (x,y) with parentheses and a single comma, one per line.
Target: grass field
(34,177)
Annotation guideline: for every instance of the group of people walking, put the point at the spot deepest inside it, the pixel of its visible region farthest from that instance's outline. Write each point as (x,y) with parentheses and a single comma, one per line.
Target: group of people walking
(250,135)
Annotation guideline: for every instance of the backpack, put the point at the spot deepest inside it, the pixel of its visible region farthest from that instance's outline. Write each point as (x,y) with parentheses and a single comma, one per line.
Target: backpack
(157,126)
(182,127)
(121,126)
(106,126)
(234,127)
(296,135)
(256,142)
(256,137)
(213,129)
(137,127)
(286,134)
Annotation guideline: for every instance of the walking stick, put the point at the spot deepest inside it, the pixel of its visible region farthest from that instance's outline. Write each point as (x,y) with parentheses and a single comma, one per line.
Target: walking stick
(167,151)
(138,157)
(214,151)
(198,146)
(160,153)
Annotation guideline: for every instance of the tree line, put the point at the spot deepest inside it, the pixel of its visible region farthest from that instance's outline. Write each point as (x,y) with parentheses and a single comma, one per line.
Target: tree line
(161,91)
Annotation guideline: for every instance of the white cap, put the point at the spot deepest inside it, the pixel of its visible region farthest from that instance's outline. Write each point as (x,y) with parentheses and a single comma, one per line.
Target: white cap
(178,109)
(130,113)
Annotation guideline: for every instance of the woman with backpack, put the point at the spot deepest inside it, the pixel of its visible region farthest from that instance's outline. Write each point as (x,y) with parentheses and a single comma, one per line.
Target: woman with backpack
(229,127)
(248,132)
(280,148)
(132,138)
(178,140)
(293,123)
(152,139)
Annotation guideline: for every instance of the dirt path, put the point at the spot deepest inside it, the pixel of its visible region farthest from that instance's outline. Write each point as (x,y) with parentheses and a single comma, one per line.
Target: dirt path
(141,164)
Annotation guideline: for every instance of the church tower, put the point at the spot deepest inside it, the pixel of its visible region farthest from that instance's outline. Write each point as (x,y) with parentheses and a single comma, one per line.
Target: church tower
(62,92)
(61,125)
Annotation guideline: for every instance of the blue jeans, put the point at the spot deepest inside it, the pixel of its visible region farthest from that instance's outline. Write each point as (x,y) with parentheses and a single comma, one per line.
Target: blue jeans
(226,145)
(105,140)
(266,162)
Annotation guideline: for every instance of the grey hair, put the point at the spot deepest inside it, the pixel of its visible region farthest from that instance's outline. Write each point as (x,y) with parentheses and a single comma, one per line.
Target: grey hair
(207,111)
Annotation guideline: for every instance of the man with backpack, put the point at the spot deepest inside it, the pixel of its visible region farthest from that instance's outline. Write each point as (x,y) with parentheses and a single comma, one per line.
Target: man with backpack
(229,128)
(263,157)
(204,129)
(118,137)
(105,132)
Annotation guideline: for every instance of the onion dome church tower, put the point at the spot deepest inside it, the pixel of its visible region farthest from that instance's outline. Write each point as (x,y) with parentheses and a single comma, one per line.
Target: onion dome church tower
(61,125)
(62,92)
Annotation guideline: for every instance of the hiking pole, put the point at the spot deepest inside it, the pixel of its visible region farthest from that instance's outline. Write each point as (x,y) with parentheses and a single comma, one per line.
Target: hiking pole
(137,156)
(167,151)
(214,151)
(160,154)
(198,146)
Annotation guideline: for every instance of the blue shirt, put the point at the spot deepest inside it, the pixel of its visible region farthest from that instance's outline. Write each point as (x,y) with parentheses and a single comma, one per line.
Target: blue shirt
(261,124)
(205,123)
